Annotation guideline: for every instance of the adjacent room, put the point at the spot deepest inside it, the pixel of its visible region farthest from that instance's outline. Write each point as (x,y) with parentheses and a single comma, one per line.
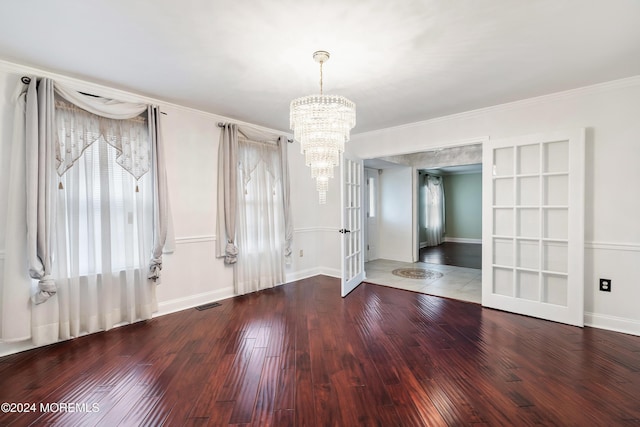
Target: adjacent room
(447,204)
(333,213)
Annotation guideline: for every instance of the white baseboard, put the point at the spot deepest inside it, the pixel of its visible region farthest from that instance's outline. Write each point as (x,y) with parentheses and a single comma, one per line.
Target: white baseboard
(302,274)
(333,272)
(612,323)
(463,240)
(310,272)
(7,348)
(178,304)
(165,307)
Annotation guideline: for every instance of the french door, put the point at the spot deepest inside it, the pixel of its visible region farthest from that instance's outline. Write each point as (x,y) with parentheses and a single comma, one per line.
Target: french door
(351,175)
(533,226)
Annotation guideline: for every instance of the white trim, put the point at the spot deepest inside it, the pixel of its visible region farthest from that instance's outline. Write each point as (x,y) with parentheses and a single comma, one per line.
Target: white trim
(612,323)
(480,140)
(302,274)
(612,246)
(178,304)
(609,246)
(11,347)
(310,272)
(195,239)
(463,240)
(315,229)
(212,238)
(332,272)
(471,172)
(585,90)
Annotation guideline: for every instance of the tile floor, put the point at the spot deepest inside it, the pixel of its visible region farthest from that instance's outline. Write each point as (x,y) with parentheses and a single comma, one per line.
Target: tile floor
(457,282)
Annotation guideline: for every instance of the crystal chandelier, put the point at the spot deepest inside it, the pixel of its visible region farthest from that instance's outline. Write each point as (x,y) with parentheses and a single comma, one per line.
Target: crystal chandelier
(321,123)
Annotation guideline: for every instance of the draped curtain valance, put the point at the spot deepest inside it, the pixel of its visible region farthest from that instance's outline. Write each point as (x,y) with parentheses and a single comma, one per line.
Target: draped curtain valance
(261,152)
(78,129)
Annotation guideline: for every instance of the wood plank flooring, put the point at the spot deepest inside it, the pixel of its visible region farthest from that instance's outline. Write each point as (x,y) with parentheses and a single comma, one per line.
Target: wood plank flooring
(467,255)
(299,355)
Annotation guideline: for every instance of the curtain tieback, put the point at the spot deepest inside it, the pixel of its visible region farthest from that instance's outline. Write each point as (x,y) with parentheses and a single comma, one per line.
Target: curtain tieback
(230,253)
(46,289)
(154,270)
(287,255)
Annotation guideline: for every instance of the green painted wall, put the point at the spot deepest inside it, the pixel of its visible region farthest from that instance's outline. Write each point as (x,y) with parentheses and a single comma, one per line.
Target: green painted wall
(463,205)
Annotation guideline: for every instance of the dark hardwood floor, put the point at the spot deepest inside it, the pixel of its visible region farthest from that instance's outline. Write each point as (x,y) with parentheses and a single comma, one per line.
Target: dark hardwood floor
(299,355)
(467,255)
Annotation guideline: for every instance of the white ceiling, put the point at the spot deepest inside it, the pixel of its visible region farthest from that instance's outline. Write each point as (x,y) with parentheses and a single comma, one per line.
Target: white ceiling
(399,61)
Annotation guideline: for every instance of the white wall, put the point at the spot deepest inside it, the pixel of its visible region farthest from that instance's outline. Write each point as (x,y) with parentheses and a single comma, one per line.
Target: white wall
(6,120)
(192,275)
(611,114)
(396,214)
(315,226)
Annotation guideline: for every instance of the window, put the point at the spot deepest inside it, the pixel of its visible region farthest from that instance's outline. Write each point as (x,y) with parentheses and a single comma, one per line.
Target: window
(105,213)
(261,218)
(371,184)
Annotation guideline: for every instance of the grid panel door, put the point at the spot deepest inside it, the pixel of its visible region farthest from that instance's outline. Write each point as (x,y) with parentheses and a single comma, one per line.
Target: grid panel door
(352,224)
(533,226)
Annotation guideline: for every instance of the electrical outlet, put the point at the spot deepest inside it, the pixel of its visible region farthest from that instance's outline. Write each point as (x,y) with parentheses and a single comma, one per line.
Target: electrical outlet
(301,253)
(605,285)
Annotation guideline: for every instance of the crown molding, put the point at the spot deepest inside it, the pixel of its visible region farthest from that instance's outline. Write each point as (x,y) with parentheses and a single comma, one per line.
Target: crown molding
(121,94)
(585,90)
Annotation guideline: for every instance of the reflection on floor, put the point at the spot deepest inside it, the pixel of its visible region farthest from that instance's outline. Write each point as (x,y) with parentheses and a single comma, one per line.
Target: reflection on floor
(453,253)
(456,282)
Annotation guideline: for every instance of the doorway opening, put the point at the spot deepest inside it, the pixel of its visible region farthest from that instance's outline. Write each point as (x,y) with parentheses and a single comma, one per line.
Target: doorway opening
(398,225)
(450,215)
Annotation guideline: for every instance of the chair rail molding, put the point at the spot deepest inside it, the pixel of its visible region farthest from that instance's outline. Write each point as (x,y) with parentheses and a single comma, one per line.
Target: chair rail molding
(195,239)
(613,246)
(316,229)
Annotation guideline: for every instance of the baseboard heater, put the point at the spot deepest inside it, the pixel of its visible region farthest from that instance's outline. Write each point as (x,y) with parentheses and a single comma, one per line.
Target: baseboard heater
(207,306)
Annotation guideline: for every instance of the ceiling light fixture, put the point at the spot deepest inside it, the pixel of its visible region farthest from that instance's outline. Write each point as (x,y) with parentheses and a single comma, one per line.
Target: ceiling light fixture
(321,123)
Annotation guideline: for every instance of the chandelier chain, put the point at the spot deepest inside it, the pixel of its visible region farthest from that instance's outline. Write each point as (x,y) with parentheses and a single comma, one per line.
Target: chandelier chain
(321,62)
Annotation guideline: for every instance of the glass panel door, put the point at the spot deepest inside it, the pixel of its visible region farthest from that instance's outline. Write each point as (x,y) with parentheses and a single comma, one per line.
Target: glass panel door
(352,224)
(533,226)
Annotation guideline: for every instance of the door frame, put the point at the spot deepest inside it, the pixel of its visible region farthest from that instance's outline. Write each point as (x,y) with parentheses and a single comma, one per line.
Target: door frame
(415,241)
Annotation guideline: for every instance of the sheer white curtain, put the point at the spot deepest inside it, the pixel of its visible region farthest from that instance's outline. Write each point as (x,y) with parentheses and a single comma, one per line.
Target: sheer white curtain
(82,242)
(103,226)
(260,228)
(434,190)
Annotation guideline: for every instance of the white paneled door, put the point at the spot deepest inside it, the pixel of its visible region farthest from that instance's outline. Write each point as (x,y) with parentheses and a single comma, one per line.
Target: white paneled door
(351,174)
(533,226)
